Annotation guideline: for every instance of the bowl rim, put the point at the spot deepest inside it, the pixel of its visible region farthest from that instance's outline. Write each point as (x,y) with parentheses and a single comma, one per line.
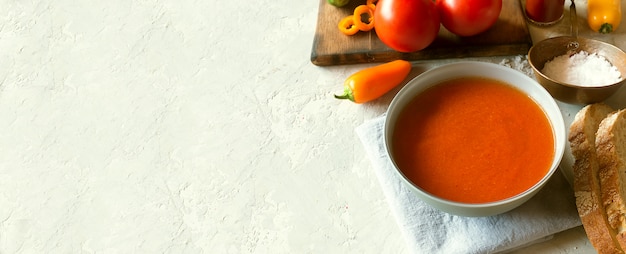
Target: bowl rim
(548,40)
(556,122)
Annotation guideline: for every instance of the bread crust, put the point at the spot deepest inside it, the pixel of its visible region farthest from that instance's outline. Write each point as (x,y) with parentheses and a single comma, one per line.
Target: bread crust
(587,183)
(611,152)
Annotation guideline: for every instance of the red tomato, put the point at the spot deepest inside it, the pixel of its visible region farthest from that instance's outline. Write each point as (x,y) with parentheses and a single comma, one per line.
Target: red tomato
(406,25)
(468,17)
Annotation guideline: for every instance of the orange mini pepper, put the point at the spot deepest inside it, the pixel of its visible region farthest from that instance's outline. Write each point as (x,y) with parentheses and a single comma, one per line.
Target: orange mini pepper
(371,4)
(371,83)
(347,26)
(364,12)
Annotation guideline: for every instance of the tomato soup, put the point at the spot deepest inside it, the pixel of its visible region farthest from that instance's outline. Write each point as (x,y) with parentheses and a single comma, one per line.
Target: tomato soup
(473,140)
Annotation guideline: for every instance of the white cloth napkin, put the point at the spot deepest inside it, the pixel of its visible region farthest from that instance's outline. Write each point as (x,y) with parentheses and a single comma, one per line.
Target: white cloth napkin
(428,230)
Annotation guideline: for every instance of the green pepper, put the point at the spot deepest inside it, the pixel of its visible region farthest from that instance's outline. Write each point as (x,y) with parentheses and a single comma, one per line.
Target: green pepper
(338,3)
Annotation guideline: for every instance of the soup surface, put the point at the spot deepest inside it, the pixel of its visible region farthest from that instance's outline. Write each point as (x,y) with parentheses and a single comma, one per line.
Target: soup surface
(473,140)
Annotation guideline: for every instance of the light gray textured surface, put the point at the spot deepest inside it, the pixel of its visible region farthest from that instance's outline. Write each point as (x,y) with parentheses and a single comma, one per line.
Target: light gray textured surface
(161,126)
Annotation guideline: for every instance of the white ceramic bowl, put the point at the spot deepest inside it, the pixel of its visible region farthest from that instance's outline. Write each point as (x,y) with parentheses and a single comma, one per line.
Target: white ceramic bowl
(486,70)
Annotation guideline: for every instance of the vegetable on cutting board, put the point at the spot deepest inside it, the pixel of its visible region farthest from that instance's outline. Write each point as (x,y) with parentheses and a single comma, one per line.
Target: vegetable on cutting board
(362,19)
(604,16)
(371,4)
(347,26)
(406,25)
(469,17)
(372,83)
(338,3)
(364,12)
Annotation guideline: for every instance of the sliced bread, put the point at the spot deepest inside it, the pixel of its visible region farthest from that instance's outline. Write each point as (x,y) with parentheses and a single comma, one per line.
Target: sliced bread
(611,152)
(587,185)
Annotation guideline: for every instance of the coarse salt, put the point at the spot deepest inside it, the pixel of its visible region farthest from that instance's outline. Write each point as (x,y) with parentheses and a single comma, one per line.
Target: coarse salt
(582,69)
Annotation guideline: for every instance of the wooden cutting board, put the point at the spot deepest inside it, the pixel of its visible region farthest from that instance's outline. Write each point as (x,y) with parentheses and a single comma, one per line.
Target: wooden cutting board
(509,36)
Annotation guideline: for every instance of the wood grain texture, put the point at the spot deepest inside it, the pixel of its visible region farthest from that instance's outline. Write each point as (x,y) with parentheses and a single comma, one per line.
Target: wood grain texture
(509,36)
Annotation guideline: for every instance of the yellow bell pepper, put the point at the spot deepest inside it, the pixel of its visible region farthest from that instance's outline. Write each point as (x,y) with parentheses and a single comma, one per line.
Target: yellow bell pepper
(604,16)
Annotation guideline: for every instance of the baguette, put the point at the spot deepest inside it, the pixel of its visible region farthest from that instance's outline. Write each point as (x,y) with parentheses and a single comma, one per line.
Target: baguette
(611,152)
(587,185)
